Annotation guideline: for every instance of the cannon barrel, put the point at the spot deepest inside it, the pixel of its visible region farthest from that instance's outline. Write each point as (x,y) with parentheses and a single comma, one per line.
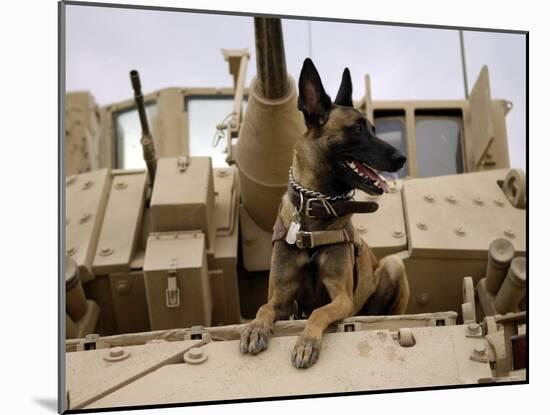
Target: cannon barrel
(147,144)
(271,75)
(270,128)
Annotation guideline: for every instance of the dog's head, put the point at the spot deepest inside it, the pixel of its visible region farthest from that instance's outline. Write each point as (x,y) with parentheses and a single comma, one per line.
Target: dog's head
(341,142)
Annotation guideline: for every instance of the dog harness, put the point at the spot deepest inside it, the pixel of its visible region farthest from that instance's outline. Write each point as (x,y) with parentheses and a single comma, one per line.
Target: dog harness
(315,205)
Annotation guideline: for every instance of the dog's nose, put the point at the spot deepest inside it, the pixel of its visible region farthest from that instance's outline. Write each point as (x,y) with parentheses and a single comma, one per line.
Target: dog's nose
(399,159)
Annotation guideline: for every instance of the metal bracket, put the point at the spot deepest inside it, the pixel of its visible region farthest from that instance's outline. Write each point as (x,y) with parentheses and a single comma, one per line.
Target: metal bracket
(349,326)
(468,301)
(197,333)
(238,63)
(91,342)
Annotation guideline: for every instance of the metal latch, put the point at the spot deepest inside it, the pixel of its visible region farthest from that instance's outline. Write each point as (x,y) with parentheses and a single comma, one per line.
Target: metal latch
(172,291)
(197,333)
(349,325)
(183,162)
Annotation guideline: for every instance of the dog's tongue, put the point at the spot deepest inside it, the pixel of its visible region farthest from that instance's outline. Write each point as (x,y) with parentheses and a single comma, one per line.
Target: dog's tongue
(372,175)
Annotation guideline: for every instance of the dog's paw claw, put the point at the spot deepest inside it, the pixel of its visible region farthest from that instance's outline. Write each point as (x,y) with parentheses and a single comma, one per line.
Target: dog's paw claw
(254,338)
(306,352)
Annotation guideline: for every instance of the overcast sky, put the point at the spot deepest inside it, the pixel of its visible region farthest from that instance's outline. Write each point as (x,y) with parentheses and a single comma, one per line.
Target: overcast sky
(183,49)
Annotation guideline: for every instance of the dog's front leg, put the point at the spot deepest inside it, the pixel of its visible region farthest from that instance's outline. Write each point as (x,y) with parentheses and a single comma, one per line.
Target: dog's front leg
(286,263)
(336,273)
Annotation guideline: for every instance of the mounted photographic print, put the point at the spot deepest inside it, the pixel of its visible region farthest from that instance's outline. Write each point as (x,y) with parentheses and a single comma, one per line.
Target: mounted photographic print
(276,207)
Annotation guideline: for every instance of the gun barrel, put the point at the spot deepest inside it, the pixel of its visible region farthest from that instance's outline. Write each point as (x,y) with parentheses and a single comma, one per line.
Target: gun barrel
(147,144)
(138,96)
(272,80)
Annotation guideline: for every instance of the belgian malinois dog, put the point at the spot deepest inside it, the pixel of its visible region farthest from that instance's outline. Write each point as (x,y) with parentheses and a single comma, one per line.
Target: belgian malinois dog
(315,263)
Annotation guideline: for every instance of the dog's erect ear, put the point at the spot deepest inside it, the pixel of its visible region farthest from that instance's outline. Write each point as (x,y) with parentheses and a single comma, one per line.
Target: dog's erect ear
(313,101)
(345,91)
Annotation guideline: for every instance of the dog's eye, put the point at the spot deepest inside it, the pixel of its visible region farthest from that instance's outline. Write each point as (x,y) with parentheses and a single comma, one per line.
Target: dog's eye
(359,128)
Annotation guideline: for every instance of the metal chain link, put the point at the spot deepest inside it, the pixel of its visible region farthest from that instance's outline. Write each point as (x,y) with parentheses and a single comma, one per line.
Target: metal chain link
(315,194)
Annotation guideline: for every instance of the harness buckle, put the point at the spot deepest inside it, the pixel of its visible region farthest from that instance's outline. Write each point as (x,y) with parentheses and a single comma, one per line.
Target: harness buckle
(326,204)
(309,208)
(304,240)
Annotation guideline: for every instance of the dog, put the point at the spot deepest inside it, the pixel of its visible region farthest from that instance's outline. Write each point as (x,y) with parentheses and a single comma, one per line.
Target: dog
(317,262)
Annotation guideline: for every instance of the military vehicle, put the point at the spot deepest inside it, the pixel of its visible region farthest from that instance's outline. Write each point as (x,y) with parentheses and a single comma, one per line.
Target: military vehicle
(168,244)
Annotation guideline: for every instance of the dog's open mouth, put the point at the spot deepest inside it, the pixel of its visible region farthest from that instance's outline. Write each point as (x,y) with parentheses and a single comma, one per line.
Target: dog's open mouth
(366,173)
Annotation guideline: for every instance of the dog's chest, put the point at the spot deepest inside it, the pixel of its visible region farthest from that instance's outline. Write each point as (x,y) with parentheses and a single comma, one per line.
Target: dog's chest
(312,293)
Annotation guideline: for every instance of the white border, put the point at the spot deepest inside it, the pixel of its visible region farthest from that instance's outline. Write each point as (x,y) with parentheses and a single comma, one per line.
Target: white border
(28,83)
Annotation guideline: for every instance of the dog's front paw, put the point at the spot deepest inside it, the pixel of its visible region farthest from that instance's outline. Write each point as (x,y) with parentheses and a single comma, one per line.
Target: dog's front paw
(306,351)
(254,338)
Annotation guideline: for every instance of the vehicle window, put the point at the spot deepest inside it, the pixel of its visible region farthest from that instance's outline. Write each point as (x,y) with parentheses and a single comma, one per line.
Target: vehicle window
(392,130)
(129,154)
(204,113)
(438,146)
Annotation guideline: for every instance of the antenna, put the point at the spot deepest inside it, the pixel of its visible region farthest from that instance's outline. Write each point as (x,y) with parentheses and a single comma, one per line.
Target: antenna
(463,56)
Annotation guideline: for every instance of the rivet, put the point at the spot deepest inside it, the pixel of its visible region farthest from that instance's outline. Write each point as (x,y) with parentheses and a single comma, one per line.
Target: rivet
(423,299)
(88,184)
(120,185)
(72,250)
(451,199)
(195,353)
(222,173)
(428,197)
(361,228)
(105,251)
(397,233)
(123,287)
(478,200)
(473,328)
(499,202)
(84,218)
(195,356)
(460,231)
(509,233)
(480,349)
(250,240)
(116,351)
(422,226)
(116,354)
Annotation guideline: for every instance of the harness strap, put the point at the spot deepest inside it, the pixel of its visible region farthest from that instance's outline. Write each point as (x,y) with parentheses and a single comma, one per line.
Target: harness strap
(308,240)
